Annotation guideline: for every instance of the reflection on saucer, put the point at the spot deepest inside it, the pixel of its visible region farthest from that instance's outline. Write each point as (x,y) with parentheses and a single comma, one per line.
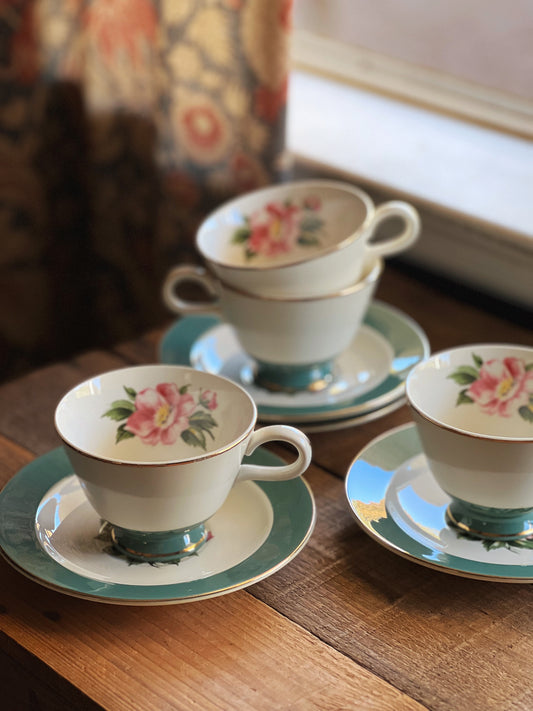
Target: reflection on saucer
(49,534)
(68,529)
(369,376)
(395,499)
(358,370)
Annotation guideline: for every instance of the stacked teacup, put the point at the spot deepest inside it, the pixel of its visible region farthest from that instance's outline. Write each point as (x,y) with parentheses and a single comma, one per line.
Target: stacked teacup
(293,268)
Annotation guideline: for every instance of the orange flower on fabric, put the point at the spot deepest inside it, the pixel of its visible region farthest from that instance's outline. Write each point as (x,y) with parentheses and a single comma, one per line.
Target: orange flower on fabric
(203,127)
(121,26)
(203,130)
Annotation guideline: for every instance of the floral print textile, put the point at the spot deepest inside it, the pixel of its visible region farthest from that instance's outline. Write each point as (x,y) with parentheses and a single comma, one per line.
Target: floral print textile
(122,122)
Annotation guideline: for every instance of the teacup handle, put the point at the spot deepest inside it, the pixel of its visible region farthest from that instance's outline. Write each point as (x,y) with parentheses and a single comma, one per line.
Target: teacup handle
(398,243)
(279,433)
(190,274)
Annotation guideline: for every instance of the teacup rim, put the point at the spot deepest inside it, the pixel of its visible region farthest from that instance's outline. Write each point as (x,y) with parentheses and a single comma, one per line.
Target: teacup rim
(452,428)
(311,257)
(155,463)
(371,277)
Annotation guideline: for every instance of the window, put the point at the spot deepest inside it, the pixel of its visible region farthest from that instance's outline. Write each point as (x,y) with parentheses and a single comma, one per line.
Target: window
(459,146)
(473,58)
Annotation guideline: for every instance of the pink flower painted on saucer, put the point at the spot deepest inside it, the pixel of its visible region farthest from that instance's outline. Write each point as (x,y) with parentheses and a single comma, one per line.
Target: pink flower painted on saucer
(500,387)
(279,227)
(162,414)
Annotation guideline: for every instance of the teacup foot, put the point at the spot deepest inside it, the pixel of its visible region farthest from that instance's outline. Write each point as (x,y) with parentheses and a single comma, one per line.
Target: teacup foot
(294,378)
(159,546)
(489,523)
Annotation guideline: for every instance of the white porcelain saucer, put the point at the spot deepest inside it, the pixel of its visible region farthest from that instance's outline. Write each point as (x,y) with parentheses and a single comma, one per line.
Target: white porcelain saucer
(368,376)
(395,499)
(50,533)
(355,372)
(346,422)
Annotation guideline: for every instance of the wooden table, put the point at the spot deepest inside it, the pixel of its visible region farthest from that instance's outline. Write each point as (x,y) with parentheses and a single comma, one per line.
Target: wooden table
(345,625)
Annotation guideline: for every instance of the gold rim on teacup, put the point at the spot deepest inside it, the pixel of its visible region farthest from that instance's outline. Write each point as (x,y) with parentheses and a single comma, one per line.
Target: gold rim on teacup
(372,274)
(340,186)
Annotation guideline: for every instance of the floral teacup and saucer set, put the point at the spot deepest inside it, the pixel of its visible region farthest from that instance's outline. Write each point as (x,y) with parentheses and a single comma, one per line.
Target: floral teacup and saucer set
(160,493)
(454,489)
(289,310)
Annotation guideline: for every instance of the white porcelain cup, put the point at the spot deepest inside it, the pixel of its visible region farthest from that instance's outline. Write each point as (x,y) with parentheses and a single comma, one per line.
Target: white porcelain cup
(473,408)
(157,449)
(301,239)
(294,341)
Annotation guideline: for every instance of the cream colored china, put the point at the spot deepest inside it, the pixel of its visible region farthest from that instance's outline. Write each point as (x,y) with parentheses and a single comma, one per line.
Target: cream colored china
(281,334)
(52,535)
(473,407)
(301,239)
(157,448)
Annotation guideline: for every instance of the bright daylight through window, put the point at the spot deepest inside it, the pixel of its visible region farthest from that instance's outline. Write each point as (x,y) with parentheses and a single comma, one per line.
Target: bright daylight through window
(433,102)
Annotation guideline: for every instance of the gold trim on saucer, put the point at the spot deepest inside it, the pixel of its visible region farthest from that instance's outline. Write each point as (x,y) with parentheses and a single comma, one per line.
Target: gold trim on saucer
(482,534)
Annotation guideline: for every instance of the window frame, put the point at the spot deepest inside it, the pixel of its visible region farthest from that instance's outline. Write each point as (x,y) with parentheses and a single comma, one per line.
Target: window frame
(459,240)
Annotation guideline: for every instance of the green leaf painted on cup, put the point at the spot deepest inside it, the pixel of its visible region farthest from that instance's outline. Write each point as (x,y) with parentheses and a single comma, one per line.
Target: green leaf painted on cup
(463,399)
(118,413)
(464,375)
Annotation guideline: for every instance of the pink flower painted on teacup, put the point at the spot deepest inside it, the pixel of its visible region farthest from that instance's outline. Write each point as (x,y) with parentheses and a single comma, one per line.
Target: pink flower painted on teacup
(279,227)
(313,202)
(503,386)
(273,229)
(208,398)
(162,414)
(499,387)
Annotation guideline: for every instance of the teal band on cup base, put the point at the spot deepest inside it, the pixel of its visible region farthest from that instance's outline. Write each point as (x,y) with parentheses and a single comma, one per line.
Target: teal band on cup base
(490,523)
(159,546)
(294,378)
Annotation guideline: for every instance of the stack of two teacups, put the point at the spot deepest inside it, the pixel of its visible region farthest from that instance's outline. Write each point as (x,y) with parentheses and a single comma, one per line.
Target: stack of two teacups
(292,268)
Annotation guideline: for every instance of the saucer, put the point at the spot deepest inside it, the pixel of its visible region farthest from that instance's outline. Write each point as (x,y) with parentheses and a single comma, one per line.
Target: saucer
(395,499)
(345,422)
(368,376)
(50,533)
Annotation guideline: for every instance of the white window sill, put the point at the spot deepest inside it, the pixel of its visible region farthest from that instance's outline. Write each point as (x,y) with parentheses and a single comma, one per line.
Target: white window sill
(472,185)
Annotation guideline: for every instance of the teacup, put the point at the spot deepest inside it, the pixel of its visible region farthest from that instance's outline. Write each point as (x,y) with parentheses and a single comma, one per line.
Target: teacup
(294,341)
(301,239)
(157,449)
(473,408)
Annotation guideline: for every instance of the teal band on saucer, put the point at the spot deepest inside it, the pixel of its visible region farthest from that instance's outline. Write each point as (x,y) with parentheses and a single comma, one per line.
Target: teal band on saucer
(159,546)
(490,523)
(294,378)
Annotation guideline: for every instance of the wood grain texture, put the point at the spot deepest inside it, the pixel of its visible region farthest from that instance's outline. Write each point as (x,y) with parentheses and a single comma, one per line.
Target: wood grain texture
(27,404)
(225,653)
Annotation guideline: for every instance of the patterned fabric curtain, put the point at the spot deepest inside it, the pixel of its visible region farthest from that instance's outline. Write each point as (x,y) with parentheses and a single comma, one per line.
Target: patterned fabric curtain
(122,122)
